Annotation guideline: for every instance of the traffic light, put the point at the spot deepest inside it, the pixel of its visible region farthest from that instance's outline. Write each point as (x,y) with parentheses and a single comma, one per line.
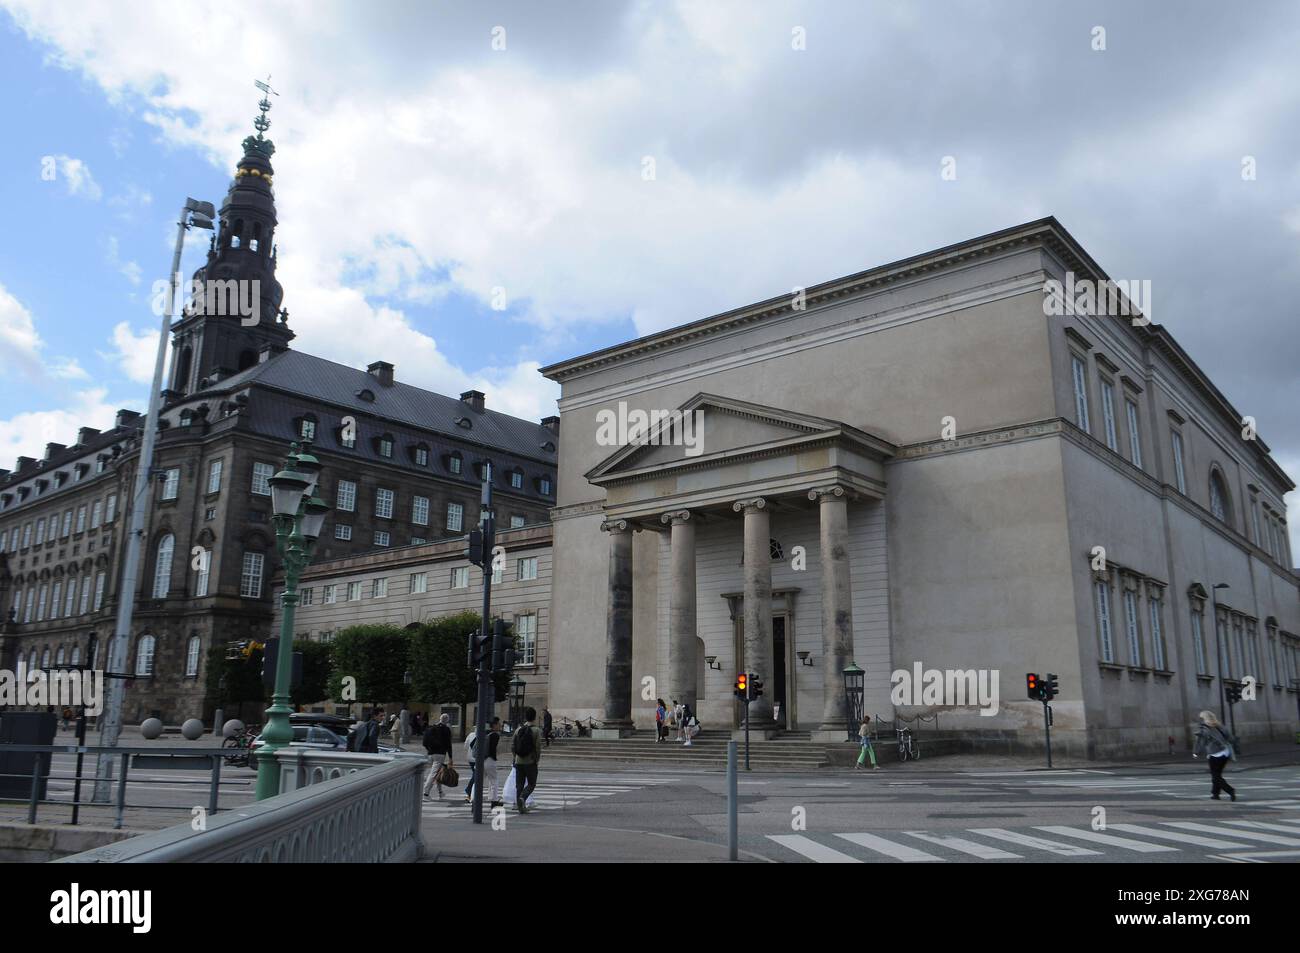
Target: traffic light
(1051,688)
(474,547)
(1234,693)
(755,687)
(1033,687)
(478,646)
(503,647)
(742,686)
(270,659)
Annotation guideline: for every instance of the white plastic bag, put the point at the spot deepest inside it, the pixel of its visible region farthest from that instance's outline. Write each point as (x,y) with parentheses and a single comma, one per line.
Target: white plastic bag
(509,792)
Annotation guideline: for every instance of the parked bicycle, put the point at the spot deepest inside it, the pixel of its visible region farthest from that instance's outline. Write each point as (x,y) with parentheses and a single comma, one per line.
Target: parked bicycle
(907,746)
(240,745)
(565,729)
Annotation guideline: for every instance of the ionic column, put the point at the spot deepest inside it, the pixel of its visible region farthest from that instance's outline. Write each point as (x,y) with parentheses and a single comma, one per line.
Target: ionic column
(837,603)
(681,608)
(618,627)
(758,605)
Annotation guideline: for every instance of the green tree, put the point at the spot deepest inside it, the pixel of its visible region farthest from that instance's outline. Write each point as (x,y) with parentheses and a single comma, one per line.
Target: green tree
(234,681)
(377,657)
(440,671)
(316,661)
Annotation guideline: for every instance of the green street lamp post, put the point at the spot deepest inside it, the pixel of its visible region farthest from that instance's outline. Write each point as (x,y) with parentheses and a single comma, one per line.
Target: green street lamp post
(299,516)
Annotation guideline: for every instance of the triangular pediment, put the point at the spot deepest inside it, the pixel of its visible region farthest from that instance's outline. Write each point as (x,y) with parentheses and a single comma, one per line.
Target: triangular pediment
(706,426)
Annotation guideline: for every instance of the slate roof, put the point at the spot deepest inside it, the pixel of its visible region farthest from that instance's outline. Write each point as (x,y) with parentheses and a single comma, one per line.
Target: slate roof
(314,378)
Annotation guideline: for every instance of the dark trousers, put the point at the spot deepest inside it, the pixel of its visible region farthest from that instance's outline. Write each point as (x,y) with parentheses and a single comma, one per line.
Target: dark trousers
(1217,783)
(469,785)
(525,782)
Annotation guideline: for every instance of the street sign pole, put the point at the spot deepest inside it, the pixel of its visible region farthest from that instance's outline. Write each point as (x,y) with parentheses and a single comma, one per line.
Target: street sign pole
(485,694)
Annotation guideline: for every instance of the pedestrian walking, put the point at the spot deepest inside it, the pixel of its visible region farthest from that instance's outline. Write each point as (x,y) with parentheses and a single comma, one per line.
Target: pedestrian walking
(437,742)
(864,739)
(677,718)
(547,724)
(490,763)
(470,756)
(692,727)
(403,727)
(527,749)
(1218,744)
(661,715)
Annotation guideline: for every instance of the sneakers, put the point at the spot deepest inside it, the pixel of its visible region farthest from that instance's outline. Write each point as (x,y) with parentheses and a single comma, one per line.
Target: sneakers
(875,767)
(497,804)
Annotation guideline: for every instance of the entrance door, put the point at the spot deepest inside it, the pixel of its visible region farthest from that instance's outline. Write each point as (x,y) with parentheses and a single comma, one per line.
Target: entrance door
(775,685)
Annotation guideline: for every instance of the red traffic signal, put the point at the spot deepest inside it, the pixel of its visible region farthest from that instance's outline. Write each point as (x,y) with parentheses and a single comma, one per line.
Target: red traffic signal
(742,685)
(1033,686)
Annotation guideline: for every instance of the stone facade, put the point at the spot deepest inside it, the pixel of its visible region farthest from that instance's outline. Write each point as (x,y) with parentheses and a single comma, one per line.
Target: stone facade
(913,433)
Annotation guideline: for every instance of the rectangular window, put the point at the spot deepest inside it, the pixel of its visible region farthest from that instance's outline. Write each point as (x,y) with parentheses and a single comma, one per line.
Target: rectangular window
(201,580)
(1157,635)
(546,486)
(418,540)
(214,476)
(305,596)
(497,572)
(101,579)
(381,538)
(85,595)
(1134,434)
(1252,651)
(526,569)
(1239,643)
(1254,521)
(420,511)
(1108,414)
(385,447)
(346,497)
(331,595)
(516,480)
(455,513)
(1225,650)
(460,577)
(81,519)
(1080,372)
(526,638)
(342,531)
(171,483)
(250,578)
(354,592)
(1179,476)
(453,464)
(67,523)
(262,473)
(40,603)
(379,588)
(27,530)
(419,582)
(40,530)
(96,514)
(421,457)
(56,599)
(70,599)
(1103,620)
(110,510)
(1134,633)
(31,605)
(384,504)
(308,431)
(516,522)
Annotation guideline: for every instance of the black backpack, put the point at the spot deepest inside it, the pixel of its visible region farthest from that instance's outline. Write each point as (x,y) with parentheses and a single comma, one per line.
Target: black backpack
(524,743)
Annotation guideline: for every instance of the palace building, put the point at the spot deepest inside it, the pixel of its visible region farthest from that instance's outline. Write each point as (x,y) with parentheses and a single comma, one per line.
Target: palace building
(935,461)
(401,467)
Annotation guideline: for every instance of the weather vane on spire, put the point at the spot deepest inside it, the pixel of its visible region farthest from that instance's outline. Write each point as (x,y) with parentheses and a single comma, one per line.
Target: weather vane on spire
(261,144)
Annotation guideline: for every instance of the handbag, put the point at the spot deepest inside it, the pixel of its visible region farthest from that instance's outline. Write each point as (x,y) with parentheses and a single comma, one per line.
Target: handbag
(447,776)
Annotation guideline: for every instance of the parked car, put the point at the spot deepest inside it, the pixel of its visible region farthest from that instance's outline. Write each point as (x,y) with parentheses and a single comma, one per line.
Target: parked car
(321,739)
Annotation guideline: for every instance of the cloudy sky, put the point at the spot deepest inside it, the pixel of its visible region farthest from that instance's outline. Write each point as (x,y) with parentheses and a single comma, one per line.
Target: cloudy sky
(431,152)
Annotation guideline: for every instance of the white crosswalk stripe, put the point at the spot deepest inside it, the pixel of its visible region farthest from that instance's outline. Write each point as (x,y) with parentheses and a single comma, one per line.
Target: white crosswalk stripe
(1177,837)
(1037,843)
(890,849)
(553,793)
(1107,839)
(983,851)
(814,851)
(1234,832)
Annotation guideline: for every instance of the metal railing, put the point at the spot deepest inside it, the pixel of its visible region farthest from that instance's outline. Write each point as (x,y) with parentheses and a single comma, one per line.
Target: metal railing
(343,808)
(150,757)
(894,723)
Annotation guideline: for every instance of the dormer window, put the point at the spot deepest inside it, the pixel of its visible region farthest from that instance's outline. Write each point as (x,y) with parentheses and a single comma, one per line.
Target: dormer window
(465,422)
(384,446)
(366,394)
(516,479)
(420,454)
(544,486)
(307,427)
(455,462)
(548,447)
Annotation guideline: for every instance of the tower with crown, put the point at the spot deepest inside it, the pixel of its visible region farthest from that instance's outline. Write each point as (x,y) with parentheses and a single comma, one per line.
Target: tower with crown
(210,343)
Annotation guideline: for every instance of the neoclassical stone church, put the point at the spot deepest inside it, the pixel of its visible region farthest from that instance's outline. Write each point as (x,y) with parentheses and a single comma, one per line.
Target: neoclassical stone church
(935,461)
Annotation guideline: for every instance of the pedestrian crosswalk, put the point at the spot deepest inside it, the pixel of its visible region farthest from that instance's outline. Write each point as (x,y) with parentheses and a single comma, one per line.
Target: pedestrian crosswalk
(1230,840)
(560,791)
(1275,790)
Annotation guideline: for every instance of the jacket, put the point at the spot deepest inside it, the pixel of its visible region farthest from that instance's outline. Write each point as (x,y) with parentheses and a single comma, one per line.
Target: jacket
(437,739)
(1213,738)
(536,756)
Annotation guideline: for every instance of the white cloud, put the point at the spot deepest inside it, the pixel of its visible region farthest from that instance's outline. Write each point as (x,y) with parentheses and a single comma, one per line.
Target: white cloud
(21,346)
(134,351)
(26,434)
(129,269)
(75,174)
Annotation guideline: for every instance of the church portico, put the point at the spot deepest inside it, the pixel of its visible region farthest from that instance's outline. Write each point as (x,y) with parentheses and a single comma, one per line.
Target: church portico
(748,531)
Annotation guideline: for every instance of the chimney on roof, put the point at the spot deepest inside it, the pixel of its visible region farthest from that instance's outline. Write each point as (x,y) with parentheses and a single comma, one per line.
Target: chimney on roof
(475,399)
(86,434)
(126,418)
(3,474)
(381,371)
(269,351)
(23,464)
(51,449)
(552,424)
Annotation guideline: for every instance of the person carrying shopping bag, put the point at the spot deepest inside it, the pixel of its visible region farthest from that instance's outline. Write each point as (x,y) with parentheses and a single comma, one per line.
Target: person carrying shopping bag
(864,739)
(1220,747)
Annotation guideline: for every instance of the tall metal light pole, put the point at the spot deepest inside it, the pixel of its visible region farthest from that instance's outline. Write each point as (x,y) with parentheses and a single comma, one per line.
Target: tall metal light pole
(1218,650)
(200,215)
(299,516)
(485,691)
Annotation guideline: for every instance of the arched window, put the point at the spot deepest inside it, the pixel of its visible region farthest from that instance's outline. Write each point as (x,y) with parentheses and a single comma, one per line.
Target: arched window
(183,369)
(45,658)
(162,570)
(144,656)
(1219,504)
(61,656)
(32,660)
(76,656)
(192,657)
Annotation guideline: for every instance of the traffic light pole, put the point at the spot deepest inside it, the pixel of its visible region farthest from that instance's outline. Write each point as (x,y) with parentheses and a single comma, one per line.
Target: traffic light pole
(1047,727)
(485,693)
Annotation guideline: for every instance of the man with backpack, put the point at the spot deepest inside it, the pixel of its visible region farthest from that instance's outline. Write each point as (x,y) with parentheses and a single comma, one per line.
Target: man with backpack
(437,742)
(527,749)
(365,736)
